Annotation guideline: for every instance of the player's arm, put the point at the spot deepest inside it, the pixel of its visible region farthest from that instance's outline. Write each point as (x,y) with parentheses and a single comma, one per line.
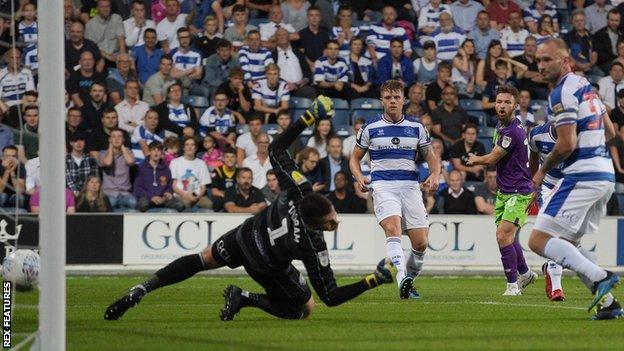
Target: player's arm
(356,168)
(433,180)
(290,178)
(566,142)
(487,160)
(533,162)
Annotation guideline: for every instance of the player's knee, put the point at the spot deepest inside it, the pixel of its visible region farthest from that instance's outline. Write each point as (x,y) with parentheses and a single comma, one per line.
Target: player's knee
(421,245)
(504,238)
(537,243)
(209,261)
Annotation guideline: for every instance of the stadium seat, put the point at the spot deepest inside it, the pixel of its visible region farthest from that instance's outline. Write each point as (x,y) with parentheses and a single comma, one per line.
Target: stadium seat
(487,143)
(296,113)
(366,114)
(471,104)
(242,129)
(270,129)
(343,131)
(340,104)
(486,132)
(299,102)
(478,117)
(197,101)
(341,117)
(365,104)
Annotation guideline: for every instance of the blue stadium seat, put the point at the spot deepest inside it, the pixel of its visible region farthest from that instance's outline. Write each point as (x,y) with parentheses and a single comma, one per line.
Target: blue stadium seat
(479,117)
(299,102)
(487,143)
(343,131)
(196,101)
(486,132)
(365,104)
(296,113)
(341,117)
(470,104)
(340,104)
(270,129)
(620,198)
(366,114)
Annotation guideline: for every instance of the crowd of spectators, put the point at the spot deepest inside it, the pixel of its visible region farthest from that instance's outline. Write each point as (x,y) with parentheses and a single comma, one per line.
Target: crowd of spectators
(172,104)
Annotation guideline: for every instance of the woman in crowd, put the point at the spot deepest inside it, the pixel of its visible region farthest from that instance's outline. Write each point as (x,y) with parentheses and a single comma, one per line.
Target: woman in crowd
(296,13)
(323,130)
(91,198)
(464,68)
(545,29)
(485,68)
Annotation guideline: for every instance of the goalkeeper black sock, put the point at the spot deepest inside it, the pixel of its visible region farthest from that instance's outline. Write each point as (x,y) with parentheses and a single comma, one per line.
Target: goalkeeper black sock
(175,272)
(272,307)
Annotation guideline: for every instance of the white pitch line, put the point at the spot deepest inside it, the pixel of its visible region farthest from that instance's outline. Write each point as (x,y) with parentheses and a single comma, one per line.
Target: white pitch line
(494,303)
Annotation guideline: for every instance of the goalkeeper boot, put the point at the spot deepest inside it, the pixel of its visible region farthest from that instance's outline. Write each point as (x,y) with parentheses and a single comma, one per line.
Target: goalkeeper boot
(119,307)
(405,287)
(613,311)
(526,279)
(602,287)
(385,271)
(233,302)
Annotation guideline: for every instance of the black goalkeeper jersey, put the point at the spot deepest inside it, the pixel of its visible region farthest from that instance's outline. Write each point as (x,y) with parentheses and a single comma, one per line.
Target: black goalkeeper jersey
(275,237)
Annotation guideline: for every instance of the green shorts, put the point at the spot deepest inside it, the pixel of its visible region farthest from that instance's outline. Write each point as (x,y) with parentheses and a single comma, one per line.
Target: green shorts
(511,208)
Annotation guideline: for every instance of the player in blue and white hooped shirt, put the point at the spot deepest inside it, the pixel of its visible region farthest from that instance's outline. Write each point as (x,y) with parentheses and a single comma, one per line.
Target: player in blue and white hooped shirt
(575,205)
(144,135)
(270,94)
(253,58)
(393,140)
(542,140)
(379,37)
(219,122)
(27,29)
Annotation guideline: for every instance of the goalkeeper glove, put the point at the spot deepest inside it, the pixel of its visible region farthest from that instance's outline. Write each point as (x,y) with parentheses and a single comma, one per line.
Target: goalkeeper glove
(321,108)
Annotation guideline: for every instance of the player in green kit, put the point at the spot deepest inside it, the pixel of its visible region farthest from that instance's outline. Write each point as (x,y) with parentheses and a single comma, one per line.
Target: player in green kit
(511,157)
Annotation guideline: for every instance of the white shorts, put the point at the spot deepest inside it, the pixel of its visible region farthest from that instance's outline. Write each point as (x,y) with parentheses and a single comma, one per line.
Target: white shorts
(574,208)
(402,200)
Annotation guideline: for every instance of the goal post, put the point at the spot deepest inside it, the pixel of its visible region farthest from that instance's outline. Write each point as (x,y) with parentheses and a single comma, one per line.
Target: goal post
(52,154)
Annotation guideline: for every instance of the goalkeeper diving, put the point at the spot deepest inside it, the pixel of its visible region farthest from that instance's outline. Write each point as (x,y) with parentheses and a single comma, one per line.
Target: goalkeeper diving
(266,244)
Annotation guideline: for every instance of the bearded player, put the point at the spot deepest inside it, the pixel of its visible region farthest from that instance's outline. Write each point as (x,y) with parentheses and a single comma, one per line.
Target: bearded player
(265,245)
(511,157)
(542,140)
(575,206)
(392,141)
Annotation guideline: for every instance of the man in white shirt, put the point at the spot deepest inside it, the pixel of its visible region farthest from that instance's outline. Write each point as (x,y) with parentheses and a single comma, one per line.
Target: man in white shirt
(267,30)
(190,177)
(610,85)
(246,144)
(294,69)
(259,162)
(131,110)
(168,27)
(135,26)
(465,13)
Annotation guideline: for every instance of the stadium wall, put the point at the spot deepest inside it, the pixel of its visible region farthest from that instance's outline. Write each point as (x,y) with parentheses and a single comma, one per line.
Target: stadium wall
(141,240)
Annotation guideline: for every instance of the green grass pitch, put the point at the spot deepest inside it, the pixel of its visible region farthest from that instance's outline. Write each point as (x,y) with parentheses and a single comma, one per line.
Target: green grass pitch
(466,313)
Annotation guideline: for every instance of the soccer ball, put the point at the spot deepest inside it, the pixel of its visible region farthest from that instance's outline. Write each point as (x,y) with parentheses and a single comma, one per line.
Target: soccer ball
(22,268)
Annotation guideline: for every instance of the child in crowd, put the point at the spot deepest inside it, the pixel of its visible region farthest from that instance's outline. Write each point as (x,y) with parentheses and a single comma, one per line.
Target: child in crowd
(212,156)
(172,149)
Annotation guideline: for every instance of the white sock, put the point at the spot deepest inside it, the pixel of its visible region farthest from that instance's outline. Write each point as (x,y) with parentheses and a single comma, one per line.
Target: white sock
(395,253)
(415,263)
(569,256)
(554,271)
(608,299)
